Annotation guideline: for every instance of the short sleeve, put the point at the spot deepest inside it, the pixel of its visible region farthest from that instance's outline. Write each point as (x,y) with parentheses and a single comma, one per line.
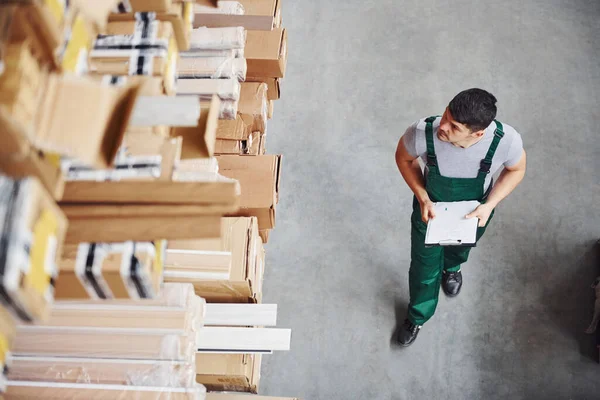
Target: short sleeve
(410,140)
(515,151)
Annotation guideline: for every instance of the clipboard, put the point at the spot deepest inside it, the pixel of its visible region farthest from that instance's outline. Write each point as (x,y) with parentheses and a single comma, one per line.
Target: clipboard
(450,227)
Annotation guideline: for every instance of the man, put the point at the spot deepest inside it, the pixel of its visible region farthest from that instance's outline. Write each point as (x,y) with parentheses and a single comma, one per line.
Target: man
(461,150)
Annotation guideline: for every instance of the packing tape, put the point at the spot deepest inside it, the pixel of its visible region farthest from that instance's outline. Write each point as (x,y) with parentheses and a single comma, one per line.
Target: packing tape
(88,269)
(123,7)
(142,46)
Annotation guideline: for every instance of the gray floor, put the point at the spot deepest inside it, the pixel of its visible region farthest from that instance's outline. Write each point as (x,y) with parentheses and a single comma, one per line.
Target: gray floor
(359,73)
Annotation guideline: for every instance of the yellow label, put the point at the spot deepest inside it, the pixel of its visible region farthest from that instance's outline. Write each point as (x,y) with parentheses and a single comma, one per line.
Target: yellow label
(188,16)
(53,158)
(172,55)
(57,9)
(159,261)
(4,348)
(44,244)
(81,41)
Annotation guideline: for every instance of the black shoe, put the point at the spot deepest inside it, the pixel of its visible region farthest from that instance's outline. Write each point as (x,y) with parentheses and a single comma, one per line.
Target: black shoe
(451,283)
(407,333)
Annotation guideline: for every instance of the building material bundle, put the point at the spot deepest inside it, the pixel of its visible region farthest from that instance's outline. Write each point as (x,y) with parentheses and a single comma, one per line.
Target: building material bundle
(240,244)
(107,349)
(259,180)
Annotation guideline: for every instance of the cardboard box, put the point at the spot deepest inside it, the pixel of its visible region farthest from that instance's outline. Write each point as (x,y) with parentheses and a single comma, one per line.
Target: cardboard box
(258,15)
(199,141)
(271,109)
(37,22)
(254,103)
(233,129)
(108,56)
(35,229)
(259,179)
(240,238)
(74,106)
(179,15)
(228,372)
(274,91)
(264,235)
(266,53)
(107,271)
(21,83)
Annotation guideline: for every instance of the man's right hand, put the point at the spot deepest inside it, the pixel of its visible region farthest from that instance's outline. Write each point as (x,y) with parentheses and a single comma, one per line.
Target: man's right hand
(427,210)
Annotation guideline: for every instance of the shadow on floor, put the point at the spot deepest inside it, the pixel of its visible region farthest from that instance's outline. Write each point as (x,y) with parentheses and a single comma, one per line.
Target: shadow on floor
(570,303)
(400,307)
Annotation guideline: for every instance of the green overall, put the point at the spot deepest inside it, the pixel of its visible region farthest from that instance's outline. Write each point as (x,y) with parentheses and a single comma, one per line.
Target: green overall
(427,263)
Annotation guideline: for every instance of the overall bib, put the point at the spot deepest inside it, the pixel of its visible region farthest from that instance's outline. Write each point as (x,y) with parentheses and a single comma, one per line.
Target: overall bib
(427,263)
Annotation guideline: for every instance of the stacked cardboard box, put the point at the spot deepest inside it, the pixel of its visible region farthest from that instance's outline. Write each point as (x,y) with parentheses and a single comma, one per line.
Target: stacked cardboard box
(143,175)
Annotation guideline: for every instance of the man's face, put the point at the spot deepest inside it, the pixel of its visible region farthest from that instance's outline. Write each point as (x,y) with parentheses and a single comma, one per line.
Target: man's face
(452,131)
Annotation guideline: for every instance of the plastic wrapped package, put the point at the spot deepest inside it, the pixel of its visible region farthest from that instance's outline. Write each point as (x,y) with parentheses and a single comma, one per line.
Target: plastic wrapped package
(126,316)
(255,104)
(231,53)
(226,89)
(171,295)
(126,167)
(229,109)
(23,390)
(213,68)
(217,39)
(102,371)
(143,344)
(224,7)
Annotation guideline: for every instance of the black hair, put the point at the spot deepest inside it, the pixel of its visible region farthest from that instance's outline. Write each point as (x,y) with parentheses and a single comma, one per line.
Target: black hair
(475,108)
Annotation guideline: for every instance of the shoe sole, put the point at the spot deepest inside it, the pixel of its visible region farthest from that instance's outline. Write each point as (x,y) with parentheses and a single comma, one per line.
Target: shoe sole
(450,294)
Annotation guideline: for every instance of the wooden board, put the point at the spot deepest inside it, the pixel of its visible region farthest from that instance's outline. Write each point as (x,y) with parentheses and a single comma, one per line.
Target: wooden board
(240,315)
(243,340)
(150,192)
(121,229)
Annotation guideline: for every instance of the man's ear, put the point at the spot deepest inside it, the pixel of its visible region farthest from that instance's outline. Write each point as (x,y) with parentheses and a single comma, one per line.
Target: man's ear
(478,133)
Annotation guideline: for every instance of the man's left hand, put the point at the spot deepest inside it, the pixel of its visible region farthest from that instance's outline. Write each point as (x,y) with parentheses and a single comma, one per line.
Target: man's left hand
(482,212)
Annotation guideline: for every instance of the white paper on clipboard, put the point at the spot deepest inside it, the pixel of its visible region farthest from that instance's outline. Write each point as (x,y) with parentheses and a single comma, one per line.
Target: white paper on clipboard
(450,227)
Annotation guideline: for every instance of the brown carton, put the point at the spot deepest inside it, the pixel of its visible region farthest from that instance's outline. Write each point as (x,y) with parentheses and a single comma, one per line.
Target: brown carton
(82,119)
(254,103)
(258,15)
(178,14)
(36,22)
(259,181)
(160,60)
(266,53)
(228,372)
(240,238)
(274,91)
(231,129)
(30,212)
(199,141)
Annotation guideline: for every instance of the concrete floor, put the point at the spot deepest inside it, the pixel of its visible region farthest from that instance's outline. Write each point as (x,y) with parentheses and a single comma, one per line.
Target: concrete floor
(359,73)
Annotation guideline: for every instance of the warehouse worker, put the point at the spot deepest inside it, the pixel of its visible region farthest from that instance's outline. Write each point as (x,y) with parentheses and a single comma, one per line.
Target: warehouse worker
(461,151)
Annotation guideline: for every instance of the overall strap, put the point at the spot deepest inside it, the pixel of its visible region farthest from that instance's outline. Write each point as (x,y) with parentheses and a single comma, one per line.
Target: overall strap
(431,157)
(486,163)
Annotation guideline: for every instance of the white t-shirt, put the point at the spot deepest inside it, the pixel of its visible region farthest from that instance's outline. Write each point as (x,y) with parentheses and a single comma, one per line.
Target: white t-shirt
(456,162)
